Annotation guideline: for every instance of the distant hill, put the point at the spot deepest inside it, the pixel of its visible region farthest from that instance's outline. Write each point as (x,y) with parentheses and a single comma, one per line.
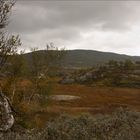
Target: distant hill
(88,58)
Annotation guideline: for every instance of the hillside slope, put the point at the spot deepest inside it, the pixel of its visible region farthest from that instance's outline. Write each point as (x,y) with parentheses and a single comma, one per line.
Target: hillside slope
(88,58)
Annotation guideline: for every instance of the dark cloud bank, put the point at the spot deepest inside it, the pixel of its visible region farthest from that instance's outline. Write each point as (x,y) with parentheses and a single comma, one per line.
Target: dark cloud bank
(67,23)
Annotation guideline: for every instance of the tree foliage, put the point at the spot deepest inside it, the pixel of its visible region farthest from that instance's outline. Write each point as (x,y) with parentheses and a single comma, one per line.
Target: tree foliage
(8,43)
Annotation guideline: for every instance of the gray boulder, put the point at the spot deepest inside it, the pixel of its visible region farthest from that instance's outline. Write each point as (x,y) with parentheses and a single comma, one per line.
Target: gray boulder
(67,81)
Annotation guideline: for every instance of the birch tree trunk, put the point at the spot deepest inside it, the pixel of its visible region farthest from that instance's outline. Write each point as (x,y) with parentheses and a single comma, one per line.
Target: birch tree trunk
(7,119)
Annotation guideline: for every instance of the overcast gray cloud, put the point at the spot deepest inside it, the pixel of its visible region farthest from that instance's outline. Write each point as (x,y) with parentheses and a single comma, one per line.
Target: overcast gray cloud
(78,24)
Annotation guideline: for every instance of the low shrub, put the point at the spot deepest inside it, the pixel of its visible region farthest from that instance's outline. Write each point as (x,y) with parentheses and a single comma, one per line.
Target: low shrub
(121,125)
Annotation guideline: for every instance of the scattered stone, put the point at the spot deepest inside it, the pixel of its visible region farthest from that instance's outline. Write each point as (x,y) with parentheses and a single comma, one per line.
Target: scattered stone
(67,81)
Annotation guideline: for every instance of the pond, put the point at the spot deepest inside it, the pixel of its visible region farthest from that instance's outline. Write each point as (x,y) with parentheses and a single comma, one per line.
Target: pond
(64,97)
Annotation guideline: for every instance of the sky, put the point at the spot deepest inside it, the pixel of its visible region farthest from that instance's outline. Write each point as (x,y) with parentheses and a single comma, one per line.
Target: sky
(110,26)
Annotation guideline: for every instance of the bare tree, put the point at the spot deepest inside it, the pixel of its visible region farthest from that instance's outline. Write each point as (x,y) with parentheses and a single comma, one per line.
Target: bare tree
(41,64)
(8,46)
